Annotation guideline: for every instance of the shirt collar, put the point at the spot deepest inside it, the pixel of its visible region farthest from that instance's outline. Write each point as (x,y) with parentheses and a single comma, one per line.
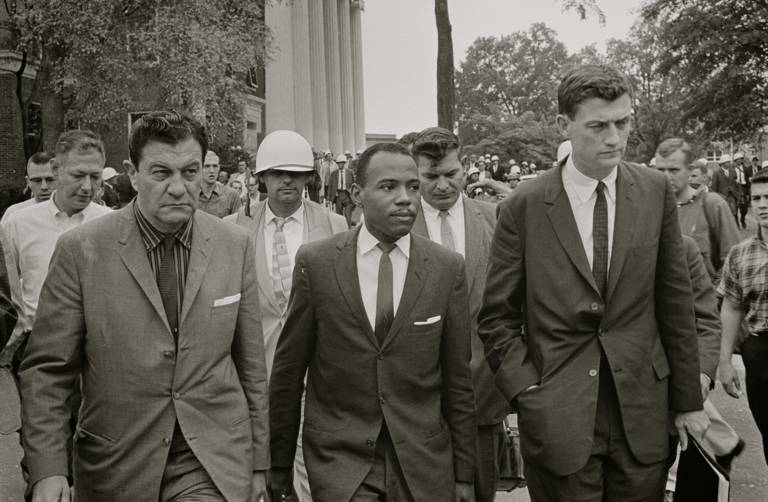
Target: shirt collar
(454,211)
(583,186)
(152,237)
(366,242)
(297,215)
(54,210)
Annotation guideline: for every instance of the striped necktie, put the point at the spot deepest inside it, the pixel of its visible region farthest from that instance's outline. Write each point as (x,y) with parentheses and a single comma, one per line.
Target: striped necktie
(281,265)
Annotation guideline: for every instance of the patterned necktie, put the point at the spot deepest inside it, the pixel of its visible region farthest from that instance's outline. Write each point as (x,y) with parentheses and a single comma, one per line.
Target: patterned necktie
(385,311)
(281,265)
(446,234)
(600,239)
(168,283)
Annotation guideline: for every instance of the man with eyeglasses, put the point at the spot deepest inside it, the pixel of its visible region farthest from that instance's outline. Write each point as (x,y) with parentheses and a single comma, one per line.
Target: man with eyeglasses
(40,181)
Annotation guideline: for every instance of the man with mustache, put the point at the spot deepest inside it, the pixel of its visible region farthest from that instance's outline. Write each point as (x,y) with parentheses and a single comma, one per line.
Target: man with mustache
(378,322)
(40,181)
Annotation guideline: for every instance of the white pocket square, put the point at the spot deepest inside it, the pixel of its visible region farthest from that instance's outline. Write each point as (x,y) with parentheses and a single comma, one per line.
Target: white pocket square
(431,320)
(226,300)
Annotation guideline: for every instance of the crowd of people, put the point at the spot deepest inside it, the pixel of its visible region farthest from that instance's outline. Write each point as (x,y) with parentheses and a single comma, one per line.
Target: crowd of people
(360,328)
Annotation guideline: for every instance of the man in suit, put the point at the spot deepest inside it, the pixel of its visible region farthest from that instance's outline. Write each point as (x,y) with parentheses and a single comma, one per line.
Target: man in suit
(743,175)
(724,182)
(378,321)
(279,225)
(465,226)
(498,172)
(587,316)
(174,403)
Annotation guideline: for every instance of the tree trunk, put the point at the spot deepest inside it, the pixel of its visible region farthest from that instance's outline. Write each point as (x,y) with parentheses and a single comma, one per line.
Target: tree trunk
(446,90)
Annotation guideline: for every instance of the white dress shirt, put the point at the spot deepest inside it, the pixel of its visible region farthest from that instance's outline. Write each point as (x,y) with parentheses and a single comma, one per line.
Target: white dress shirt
(32,234)
(582,194)
(455,220)
(368,256)
(293,231)
(16,207)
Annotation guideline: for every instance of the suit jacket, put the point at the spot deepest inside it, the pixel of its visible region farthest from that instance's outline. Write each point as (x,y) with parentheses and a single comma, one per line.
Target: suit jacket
(136,384)
(724,183)
(319,223)
(479,222)
(500,174)
(544,322)
(418,381)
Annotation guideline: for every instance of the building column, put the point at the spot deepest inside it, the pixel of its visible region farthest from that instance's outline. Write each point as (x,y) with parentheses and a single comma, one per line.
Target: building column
(279,71)
(317,76)
(302,87)
(333,75)
(357,73)
(347,93)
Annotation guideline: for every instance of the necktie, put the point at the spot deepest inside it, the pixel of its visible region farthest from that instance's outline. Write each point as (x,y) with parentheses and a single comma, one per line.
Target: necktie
(167,283)
(600,239)
(385,311)
(446,234)
(281,265)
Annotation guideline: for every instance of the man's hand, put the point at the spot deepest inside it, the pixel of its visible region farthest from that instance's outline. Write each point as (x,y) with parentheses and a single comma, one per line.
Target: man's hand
(705,384)
(52,489)
(730,379)
(279,483)
(496,186)
(259,487)
(465,492)
(695,423)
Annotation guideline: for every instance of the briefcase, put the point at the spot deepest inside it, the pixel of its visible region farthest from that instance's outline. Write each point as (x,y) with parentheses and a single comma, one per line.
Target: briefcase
(700,478)
(511,461)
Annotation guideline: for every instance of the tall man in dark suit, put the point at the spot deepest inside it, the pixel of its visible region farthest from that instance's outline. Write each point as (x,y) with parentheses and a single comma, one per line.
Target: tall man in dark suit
(378,321)
(466,226)
(588,258)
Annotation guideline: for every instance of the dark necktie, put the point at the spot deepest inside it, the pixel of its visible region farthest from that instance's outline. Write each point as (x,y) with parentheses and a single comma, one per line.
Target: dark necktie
(600,239)
(167,283)
(385,311)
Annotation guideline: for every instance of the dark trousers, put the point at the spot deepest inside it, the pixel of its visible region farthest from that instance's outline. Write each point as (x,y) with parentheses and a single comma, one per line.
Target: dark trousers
(754,352)
(490,441)
(743,205)
(185,479)
(385,481)
(611,474)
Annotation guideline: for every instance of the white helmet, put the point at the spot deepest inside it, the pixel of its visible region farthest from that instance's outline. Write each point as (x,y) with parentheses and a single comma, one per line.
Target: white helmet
(285,151)
(495,157)
(725,158)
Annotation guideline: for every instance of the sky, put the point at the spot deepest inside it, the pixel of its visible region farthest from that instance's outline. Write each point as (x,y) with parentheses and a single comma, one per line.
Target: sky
(400,47)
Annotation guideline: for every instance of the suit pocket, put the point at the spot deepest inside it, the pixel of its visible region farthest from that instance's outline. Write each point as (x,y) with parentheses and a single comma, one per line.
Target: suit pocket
(84,434)
(661,367)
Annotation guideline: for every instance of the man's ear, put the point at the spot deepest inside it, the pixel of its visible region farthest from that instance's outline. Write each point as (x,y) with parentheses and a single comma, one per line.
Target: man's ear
(55,167)
(563,122)
(355,193)
(131,170)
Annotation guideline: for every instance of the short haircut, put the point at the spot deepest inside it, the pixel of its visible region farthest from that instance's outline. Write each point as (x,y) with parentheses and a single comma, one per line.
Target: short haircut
(170,127)
(760,176)
(590,81)
(40,159)
(367,155)
(701,167)
(81,141)
(435,143)
(671,145)
(408,139)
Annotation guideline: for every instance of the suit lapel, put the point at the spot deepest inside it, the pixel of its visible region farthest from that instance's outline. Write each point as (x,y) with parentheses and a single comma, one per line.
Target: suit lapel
(263,274)
(414,283)
(134,255)
(420,224)
(199,256)
(623,227)
(349,283)
(474,240)
(316,223)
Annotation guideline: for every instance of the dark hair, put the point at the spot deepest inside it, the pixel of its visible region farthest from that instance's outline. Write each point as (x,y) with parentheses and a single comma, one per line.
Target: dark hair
(435,143)
(39,158)
(590,81)
(79,140)
(170,127)
(408,139)
(671,145)
(760,176)
(367,155)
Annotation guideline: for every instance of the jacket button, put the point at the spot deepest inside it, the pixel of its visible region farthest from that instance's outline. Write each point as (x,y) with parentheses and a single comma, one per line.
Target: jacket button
(595,307)
(168,354)
(371,443)
(176,395)
(600,332)
(380,357)
(166,442)
(382,398)
(592,372)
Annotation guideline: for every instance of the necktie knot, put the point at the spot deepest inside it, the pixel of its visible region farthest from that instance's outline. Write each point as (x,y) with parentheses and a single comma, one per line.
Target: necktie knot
(279,223)
(168,241)
(600,187)
(386,247)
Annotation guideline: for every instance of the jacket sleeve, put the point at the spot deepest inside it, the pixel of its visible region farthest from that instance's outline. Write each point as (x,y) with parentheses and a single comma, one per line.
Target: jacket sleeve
(248,356)
(725,231)
(708,325)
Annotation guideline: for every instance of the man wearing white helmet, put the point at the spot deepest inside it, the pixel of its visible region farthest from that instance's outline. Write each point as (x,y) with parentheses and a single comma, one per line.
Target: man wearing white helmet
(215,198)
(280,224)
(724,182)
(498,172)
(342,179)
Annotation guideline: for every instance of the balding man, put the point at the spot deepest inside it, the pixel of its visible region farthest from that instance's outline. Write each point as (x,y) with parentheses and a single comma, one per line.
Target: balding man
(40,181)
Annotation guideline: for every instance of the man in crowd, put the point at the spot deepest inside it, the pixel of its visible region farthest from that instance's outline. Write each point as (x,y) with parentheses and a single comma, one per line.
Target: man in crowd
(577,256)
(108,193)
(172,368)
(698,178)
(223,177)
(40,181)
(498,172)
(745,298)
(343,178)
(743,175)
(703,216)
(378,322)
(465,226)
(328,170)
(280,224)
(241,175)
(215,198)
(724,182)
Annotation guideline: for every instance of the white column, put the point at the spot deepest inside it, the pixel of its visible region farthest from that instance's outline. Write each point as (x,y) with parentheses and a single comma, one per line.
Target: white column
(357,74)
(347,93)
(302,90)
(317,76)
(333,75)
(279,81)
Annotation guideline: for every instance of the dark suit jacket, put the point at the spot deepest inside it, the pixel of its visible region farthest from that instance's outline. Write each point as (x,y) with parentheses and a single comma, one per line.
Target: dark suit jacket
(544,322)
(724,183)
(500,172)
(418,381)
(136,384)
(479,222)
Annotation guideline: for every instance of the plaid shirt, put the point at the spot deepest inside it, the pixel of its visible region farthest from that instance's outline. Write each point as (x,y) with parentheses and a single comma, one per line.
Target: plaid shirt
(744,282)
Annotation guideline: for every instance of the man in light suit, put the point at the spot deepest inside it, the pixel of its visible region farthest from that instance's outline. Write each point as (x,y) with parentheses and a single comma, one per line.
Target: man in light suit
(465,226)
(284,162)
(378,320)
(587,317)
(174,403)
